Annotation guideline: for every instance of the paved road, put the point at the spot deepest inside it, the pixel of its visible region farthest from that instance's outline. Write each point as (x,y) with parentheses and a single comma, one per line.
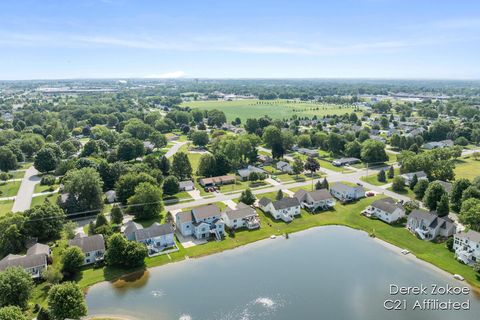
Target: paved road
(25,193)
(469,152)
(175,148)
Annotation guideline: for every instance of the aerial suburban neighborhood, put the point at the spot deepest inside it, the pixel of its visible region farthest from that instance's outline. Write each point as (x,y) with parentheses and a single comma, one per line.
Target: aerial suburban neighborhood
(239,160)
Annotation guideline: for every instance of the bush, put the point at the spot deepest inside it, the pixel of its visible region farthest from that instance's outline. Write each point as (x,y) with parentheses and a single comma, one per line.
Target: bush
(398,184)
(47,180)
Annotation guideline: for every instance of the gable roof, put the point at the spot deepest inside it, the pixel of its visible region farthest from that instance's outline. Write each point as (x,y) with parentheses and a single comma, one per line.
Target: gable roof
(470,235)
(420,174)
(286,203)
(39,248)
(386,204)
(131,226)
(240,213)
(342,187)
(447,186)
(317,195)
(155,230)
(204,212)
(89,244)
(28,261)
(264,201)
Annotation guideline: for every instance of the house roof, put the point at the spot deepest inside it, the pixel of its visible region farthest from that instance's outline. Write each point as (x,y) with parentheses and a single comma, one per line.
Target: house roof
(155,230)
(470,235)
(342,187)
(447,186)
(131,227)
(240,213)
(28,261)
(317,195)
(420,174)
(186,183)
(286,203)
(89,244)
(430,219)
(218,179)
(185,216)
(246,172)
(264,201)
(386,204)
(39,248)
(204,212)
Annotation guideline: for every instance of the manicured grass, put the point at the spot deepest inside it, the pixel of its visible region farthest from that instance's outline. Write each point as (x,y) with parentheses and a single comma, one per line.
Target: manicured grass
(42,188)
(9,189)
(25,165)
(17,174)
(181,196)
(328,165)
(372,178)
(277,109)
(5,206)
(467,168)
(41,199)
(392,157)
(407,192)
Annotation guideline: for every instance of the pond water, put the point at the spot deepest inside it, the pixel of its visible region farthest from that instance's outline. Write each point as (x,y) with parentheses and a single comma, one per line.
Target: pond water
(322,273)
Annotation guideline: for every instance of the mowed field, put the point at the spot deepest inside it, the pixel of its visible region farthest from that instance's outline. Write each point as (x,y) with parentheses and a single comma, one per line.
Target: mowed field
(276,109)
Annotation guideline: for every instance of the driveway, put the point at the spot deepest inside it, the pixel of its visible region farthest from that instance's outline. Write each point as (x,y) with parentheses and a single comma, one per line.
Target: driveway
(175,148)
(23,200)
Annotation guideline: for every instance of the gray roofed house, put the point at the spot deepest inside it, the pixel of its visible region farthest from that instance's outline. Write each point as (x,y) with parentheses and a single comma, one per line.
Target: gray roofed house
(314,200)
(308,152)
(154,231)
(204,212)
(438,144)
(344,192)
(130,228)
(201,222)
(92,246)
(34,262)
(447,186)
(285,203)
(186,185)
(263,202)
(242,216)
(385,209)
(284,167)
(345,161)
(428,225)
(285,209)
(408,177)
(244,173)
(156,237)
(467,246)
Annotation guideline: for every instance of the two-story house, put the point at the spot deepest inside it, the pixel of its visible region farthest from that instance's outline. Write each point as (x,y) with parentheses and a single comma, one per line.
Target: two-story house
(386,209)
(467,246)
(345,193)
(285,209)
(428,225)
(156,237)
(243,216)
(201,223)
(92,246)
(34,262)
(315,200)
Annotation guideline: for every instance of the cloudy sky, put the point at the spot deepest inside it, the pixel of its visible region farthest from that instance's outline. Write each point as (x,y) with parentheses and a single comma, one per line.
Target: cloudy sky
(240,39)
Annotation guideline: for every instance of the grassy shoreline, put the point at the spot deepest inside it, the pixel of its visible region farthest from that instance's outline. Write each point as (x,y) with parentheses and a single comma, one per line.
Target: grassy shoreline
(343,215)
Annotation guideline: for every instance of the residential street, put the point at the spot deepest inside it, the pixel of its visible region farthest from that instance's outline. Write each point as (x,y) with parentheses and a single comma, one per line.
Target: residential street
(25,193)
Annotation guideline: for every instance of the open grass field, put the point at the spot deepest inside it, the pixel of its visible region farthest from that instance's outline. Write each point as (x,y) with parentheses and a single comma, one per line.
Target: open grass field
(44,188)
(9,189)
(5,206)
(372,178)
(467,168)
(276,109)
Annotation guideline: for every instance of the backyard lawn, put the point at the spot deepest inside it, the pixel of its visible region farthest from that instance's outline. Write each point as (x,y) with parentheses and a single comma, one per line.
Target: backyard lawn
(277,109)
(9,189)
(467,168)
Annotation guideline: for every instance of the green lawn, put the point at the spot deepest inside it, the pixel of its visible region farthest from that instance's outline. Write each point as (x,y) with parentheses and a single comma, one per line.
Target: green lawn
(407,192)
(392,157)
(17,174)
(372,178)
(277,109)
(42,188)
(9,189)
(5,206)
(181,196)
(467,168)
(41,199)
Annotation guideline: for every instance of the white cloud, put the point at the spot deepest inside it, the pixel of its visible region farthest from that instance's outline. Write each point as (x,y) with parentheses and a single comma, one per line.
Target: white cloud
(167,75)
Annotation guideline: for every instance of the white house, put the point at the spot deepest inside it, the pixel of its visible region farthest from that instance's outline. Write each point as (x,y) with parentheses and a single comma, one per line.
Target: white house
(346,193)
(34,262)
(285,209)
(186,185)
(428,225)
(157,237)
(385,209)
(315,200)
(245,173)
(92,246)
(467,246)
(201,222)
(243,216)
(438,144)
(408,177)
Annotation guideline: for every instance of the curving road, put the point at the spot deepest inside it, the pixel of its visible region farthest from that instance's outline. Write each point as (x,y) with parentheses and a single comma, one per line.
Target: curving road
(23,199)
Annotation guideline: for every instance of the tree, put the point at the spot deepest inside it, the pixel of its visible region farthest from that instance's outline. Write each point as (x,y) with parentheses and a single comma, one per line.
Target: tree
(45,160)
(373,151)
(279,195)
(470,213)
(12,233)
(52,275)
(16,286)
(8,160)
(158,139)
(297,166)
(312,165)
(414,182)
(458,187)
(272,137)
(420,188)
(391,172)
(443,206)
(325,184)
(216,118)
(72,259)
(101,220)
(353,149)
(398,184)
(66,300)
(433,194)
(12,313)
(129,149)
(181,167)
(171,185)
(164,165)
(381,177)
(123,253)
(318,185)
(84,189)
(247,197)
(116,215)
(45,221)
(69,227)
(146,202)
(127,183)
(199,138)
(207,166)
(90,148)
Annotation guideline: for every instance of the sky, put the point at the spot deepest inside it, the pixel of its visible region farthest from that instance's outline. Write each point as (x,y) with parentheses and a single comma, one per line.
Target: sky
(408,39)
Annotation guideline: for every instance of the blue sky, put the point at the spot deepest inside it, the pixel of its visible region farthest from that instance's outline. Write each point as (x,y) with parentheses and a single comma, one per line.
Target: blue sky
(240,39)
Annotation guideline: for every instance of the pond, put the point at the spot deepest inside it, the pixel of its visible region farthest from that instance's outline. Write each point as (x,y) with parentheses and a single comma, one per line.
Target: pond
(322,273)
